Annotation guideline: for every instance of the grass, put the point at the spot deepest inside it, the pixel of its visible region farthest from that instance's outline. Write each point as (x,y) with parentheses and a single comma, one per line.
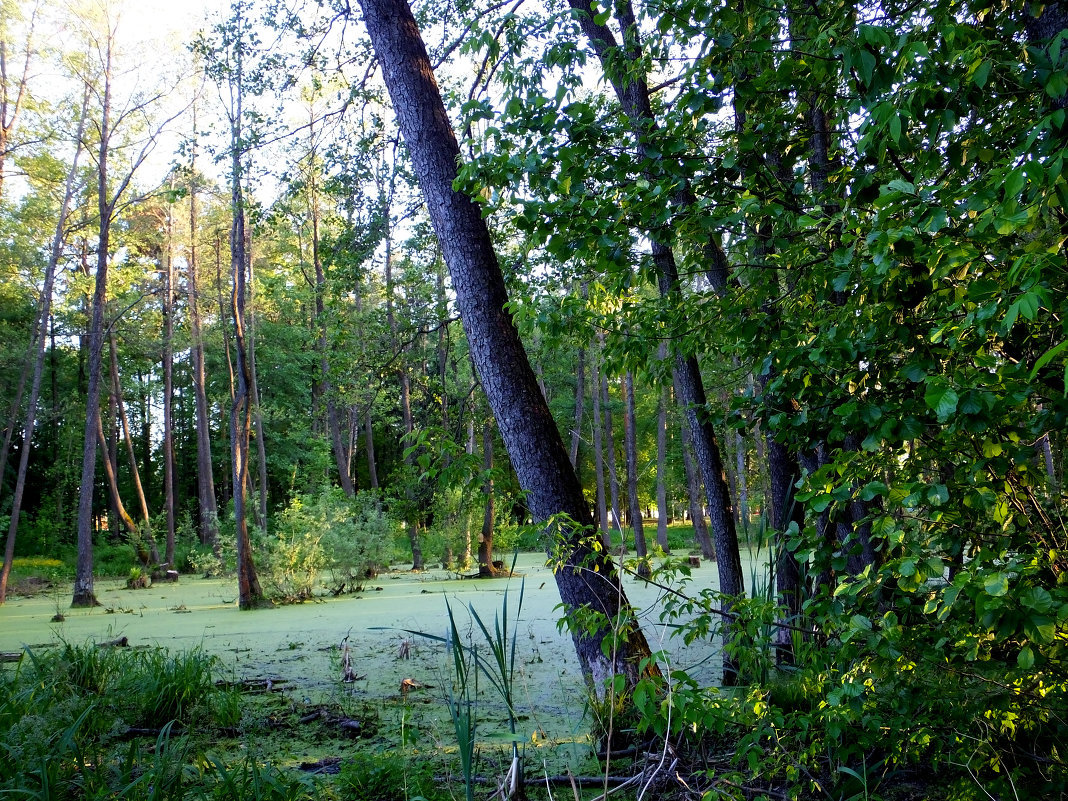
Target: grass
(295,722)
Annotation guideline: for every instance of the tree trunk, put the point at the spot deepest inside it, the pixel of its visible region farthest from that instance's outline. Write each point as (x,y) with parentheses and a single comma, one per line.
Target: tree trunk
(580,403)
(146,532)
(250,595)
(369,446)
(254,394)
(585,577)
(630,441)
(168,390)
(333,425)
(465,559)
(662,512)
(741,464)
(16,404)
(414,518)
(694,495)
(208,517)
(38,361)
(110,474)
(598,445)
(485,538)
(83,573)
(610,450)
(632,90)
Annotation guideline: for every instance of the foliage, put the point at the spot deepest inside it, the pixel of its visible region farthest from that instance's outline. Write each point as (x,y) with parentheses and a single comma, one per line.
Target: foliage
(63,713)
(248,780)
(387,776)
(348,539)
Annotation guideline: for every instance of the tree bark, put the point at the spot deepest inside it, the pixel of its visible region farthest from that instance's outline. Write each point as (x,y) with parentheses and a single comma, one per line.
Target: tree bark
(414,521)
(598,447)
(610,450)
(630,445)
(580,404)
(208,513)
(585,577)
(250,595)
(146,532)
(16,403)
(83,572)
(621,65)
(693,486)
(485,538)
(662,509)
(123,516)
(168,390)
(333,426)
(465,558)
(254,394)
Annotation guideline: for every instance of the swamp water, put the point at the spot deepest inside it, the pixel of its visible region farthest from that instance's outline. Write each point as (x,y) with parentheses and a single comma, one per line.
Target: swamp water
(298,647)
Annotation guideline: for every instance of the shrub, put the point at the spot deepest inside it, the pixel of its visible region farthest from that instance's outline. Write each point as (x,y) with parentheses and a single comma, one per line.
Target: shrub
(348,539)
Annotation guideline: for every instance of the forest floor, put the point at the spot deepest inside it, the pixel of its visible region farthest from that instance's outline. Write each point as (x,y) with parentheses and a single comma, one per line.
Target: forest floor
(292,656)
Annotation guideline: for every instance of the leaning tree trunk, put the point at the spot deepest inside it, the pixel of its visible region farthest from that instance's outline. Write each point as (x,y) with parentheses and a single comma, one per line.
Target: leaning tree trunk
(585,577)
(120,405)
(622,65)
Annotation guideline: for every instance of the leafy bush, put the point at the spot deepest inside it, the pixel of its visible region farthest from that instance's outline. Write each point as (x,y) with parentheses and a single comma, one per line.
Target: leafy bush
(114,560)
(348,539)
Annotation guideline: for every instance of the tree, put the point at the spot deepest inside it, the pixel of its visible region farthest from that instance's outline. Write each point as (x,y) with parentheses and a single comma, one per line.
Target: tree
(250,594)
(585,577)
(110,197)
(38,364)
(208,517)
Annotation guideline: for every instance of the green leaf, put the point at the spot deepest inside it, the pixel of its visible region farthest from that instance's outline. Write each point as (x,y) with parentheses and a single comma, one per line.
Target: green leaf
(996,585)
(1025,660)
(942,399)
(895,129)
(981,73)
(935,220)
(900,185)
(1047,357)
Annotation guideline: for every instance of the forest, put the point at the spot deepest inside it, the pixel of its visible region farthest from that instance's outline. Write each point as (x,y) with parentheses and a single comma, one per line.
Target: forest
(312,290)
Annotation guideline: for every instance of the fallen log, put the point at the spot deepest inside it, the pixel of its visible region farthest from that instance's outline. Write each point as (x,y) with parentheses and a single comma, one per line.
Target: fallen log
(11,656)
(258,685)
(330,765)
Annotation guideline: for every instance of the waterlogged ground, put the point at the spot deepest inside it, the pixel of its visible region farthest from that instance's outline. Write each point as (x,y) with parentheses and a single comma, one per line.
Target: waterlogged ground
(298,647)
